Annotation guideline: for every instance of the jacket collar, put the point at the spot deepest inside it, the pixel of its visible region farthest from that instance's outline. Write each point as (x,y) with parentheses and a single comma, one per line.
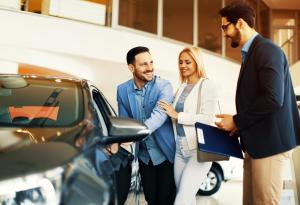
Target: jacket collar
(255,42)
(131,95)
(132,87)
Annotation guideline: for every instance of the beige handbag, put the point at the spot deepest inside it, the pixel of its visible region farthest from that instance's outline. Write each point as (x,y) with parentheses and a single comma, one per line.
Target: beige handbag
(201,155)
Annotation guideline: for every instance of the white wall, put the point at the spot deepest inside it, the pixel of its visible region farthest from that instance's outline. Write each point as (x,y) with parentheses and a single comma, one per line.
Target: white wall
(98,53)
(75,9)
(8,67)
(10,4)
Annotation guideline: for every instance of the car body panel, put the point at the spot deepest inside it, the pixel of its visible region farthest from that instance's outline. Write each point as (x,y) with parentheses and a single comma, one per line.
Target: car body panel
(49,123)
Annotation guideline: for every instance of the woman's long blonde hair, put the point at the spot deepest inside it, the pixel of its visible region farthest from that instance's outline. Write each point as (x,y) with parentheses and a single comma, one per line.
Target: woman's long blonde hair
(196,54)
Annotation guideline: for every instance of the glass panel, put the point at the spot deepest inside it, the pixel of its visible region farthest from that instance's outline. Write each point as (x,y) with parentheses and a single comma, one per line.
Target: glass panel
(298,36)
(264,20)
(285,38)
(139,14)
(253,4)
(285,22)
(35,6)
(209,24)
(227,2)
(108,9)
(284,32)
(178,20)
(99,1)
(89,11)
(233,53)
(283,18)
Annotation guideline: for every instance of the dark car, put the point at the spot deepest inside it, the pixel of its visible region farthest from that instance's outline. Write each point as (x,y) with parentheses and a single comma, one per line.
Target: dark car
(53,138)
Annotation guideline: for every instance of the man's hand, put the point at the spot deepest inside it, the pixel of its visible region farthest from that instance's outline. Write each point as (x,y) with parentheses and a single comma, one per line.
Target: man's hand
(112,149)
(226,123)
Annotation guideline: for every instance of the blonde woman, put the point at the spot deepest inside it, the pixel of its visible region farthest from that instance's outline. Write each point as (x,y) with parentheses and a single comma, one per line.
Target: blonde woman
(188,172)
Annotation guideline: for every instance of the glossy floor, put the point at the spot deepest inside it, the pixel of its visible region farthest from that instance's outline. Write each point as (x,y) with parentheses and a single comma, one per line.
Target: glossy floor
(229,194)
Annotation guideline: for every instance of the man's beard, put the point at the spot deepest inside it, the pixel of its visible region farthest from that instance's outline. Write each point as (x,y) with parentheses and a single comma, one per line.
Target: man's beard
(141,77)
(235,39)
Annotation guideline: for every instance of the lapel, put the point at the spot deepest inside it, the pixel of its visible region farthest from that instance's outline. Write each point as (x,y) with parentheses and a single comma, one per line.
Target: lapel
(131,99)
(147,97)
(249,53)
(181,88)
(131,96)
(178,93)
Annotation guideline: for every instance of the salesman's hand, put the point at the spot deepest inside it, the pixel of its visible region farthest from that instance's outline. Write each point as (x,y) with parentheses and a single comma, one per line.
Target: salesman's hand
(168,109)
(226,123)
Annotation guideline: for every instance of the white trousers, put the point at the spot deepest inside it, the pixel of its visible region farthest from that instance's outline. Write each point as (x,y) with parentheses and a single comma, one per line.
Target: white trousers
(188,173)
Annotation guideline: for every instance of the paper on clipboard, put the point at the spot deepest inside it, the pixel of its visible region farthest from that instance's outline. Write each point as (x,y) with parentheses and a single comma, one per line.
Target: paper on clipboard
(200,136)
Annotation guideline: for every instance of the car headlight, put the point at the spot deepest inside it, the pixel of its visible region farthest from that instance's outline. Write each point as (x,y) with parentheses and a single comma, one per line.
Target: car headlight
(40,188)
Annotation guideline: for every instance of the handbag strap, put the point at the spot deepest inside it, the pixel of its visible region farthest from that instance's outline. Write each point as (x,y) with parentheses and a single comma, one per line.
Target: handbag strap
(199,96)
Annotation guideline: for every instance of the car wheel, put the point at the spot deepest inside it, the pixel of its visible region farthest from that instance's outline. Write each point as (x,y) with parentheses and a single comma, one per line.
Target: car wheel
(212,183)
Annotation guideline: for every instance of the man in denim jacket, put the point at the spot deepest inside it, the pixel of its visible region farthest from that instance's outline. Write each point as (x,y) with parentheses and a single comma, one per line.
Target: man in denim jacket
(137,98)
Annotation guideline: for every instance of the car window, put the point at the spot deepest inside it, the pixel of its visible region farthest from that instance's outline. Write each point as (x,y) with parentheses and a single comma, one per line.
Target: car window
(102,106)
(33,102)
(101,122)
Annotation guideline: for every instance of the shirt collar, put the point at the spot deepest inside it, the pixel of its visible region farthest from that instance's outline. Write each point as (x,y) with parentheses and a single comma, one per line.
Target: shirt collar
(248,43)
(143,88)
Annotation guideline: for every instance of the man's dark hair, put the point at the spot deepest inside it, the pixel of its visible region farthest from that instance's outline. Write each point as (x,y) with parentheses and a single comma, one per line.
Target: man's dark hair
(135,51)
(236,10)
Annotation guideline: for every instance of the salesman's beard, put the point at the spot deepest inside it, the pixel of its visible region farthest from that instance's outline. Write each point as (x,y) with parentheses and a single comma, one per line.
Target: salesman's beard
(235,38)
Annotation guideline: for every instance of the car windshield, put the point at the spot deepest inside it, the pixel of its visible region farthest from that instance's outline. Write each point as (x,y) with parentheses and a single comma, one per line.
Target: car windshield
(35,102)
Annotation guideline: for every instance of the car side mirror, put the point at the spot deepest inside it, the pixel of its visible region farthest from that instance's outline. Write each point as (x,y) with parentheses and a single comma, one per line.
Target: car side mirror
(125,130)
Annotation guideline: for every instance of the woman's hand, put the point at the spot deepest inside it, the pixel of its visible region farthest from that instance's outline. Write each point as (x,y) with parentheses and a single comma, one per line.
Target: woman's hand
(168,109)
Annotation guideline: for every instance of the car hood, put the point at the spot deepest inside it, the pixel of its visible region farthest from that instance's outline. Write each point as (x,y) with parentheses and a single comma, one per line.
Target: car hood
(30,150)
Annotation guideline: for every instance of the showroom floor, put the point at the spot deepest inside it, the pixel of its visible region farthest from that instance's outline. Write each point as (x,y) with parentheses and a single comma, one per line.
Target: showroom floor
(229,194)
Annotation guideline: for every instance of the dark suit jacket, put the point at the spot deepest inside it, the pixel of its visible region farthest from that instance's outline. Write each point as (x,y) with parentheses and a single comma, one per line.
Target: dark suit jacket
(267,116)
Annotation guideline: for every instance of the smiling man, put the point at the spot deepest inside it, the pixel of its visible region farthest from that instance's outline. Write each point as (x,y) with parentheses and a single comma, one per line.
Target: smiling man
(137,98)
(267,119)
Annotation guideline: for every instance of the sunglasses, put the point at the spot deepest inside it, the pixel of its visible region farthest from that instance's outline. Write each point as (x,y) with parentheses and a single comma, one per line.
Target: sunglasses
(224,27)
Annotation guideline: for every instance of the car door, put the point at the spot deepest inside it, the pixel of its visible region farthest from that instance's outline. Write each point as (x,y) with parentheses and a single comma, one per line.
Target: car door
(103,112)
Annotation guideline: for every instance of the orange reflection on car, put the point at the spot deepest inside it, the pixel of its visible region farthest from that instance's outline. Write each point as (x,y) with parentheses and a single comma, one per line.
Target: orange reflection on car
(31,112)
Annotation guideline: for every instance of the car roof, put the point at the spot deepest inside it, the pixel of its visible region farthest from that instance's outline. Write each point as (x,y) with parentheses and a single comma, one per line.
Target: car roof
(65,78)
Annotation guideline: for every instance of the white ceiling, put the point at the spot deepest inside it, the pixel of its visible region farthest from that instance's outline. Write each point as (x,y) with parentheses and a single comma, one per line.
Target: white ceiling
(283,4)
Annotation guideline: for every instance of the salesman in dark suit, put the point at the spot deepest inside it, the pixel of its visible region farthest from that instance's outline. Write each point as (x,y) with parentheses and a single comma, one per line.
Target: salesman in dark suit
(267,118)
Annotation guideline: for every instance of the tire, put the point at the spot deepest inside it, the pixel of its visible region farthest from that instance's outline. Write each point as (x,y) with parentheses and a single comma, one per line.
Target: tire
(212,183)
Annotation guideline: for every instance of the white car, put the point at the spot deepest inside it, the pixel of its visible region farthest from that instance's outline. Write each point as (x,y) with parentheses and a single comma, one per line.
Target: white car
(219,172)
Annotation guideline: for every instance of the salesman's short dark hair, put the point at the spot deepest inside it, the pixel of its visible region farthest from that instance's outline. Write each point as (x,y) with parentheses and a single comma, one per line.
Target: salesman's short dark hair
(236,10)
(135,51)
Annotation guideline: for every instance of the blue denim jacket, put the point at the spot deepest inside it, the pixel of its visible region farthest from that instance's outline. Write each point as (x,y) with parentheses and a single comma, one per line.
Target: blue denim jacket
(148,148)
(158,123)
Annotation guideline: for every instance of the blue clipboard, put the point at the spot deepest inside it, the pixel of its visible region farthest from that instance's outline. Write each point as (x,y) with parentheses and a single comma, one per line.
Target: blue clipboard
(214,140)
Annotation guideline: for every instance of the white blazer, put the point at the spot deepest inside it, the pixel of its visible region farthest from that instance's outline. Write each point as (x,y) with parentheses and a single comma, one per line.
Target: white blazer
(208,109)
